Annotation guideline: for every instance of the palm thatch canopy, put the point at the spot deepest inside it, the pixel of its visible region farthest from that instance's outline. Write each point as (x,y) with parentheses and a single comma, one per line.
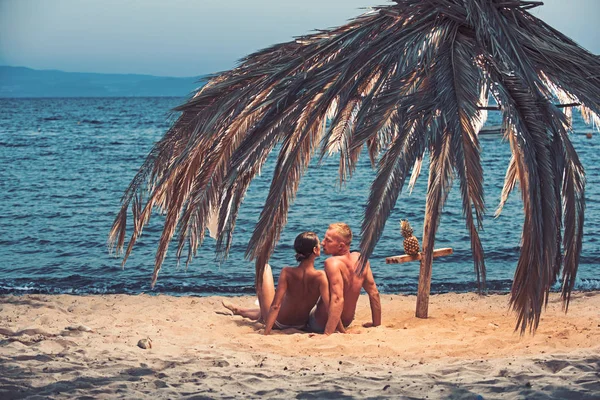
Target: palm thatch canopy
(401,80)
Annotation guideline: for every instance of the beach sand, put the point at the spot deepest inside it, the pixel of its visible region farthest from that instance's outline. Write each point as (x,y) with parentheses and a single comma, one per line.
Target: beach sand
(467,348)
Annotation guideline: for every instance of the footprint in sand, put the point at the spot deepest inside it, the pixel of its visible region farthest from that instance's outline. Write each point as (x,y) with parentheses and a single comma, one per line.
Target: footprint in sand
(562,334)
(553,366)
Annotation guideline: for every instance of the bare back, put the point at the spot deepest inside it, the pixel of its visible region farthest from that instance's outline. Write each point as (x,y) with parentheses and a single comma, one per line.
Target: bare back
(303,291)
(345,283)
(353,283)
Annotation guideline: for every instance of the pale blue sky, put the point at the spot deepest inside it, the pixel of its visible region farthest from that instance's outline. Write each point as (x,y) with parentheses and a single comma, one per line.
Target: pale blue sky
(188,38)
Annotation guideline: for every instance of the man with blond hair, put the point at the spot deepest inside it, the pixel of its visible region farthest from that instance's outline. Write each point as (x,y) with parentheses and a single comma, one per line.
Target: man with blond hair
(345,284)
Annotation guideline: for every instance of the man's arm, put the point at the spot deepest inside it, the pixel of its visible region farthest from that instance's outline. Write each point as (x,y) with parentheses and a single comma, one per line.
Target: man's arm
(324,292)
(371,289)
(276,305)
(336,295)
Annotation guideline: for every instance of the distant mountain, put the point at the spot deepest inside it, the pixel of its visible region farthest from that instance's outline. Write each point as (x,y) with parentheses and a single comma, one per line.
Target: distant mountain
(27,82)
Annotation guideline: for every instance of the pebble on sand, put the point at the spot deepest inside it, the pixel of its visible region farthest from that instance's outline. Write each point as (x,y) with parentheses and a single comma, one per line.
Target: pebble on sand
(145,343)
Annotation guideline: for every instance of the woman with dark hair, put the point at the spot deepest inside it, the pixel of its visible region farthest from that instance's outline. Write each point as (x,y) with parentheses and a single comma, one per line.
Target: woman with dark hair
(298,290)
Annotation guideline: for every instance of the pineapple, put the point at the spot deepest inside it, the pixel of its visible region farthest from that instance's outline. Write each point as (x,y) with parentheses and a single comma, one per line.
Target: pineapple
(411,243)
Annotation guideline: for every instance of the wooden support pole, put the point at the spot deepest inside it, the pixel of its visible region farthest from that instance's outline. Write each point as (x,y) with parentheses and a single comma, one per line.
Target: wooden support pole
(424,276)
(429,224)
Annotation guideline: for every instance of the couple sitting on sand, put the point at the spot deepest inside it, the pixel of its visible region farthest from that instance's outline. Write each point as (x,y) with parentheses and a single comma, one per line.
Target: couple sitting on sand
(317,301)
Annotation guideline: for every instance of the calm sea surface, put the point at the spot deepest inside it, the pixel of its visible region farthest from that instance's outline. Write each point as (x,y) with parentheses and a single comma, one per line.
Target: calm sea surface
(64,164)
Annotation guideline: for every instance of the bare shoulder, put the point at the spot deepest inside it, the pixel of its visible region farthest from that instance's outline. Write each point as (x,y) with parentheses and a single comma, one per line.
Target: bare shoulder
(287,272)
(355,256)
(317,274)
(333,262)
(321,276)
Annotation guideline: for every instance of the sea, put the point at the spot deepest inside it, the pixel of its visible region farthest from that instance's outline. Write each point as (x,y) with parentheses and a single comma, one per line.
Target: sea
(65,163)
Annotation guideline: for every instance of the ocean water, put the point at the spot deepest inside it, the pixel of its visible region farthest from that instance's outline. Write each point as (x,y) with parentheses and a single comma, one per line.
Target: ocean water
(65,163)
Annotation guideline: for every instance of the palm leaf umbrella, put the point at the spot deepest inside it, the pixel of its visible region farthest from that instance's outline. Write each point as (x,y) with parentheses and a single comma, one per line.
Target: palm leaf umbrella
(403,81)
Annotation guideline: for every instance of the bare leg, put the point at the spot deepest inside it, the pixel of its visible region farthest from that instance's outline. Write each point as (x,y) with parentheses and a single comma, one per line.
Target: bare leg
(250,313)
(265,294)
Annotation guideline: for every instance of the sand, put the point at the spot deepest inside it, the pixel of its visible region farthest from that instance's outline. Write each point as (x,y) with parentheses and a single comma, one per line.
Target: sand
(63,346)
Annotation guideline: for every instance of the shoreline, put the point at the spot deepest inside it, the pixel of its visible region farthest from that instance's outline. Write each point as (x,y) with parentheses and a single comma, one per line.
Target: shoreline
(467,347)
(469,288)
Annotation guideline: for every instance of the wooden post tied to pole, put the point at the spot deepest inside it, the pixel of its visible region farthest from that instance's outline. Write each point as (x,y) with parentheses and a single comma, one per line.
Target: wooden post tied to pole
(406,258)
(424,277)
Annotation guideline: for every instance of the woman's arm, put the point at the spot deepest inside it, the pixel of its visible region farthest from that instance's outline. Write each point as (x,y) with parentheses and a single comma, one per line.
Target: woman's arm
(276,305)
(324,289)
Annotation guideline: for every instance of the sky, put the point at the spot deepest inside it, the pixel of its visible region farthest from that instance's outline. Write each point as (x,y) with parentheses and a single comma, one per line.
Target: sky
(196,37)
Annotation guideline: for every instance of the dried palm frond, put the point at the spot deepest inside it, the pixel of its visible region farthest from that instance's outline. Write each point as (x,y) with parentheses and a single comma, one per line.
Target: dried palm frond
(403,80)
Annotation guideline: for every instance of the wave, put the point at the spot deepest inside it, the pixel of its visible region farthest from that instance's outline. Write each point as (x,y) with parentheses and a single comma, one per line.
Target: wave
(89,286)
(14,145)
